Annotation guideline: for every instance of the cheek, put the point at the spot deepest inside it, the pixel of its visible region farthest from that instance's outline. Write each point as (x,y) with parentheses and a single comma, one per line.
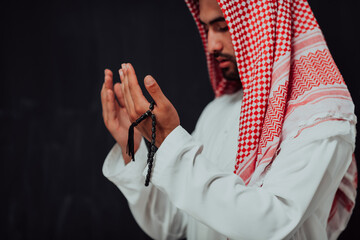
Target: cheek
(229,46)
(233,66)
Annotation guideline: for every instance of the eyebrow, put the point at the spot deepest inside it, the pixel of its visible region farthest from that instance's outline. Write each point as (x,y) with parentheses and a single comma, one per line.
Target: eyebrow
(219,19)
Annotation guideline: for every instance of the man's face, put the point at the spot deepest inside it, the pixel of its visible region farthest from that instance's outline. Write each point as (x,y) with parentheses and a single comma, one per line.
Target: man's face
(219,40)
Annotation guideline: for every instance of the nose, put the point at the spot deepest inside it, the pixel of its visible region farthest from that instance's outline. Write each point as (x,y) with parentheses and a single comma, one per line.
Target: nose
(214,42)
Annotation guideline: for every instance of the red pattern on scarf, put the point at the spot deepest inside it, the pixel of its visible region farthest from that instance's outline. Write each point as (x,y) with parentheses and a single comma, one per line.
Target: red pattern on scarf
(283,63)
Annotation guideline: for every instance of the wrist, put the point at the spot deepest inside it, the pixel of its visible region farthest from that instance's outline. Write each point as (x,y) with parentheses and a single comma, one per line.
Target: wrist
(165,134)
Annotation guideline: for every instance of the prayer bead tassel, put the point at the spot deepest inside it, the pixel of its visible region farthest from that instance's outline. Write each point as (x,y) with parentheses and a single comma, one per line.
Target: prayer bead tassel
(152,149)
(130,145)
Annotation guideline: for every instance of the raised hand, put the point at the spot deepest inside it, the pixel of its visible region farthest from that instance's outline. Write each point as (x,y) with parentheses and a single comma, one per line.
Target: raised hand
(136,104)
(115,115)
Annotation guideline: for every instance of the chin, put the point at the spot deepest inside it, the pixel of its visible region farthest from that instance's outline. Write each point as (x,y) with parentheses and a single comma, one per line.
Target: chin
(231,74)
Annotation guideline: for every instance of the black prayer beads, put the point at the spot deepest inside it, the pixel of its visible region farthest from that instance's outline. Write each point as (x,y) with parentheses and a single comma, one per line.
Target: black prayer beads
(152,148)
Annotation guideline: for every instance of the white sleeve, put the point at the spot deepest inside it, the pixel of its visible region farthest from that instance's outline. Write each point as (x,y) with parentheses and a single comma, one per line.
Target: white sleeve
(150,207)
(303,173)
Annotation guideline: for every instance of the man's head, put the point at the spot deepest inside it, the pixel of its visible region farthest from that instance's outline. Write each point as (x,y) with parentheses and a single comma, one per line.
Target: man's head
(219,40)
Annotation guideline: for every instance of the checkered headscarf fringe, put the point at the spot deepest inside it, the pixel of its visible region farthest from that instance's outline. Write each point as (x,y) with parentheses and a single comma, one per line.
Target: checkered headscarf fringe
(290,83)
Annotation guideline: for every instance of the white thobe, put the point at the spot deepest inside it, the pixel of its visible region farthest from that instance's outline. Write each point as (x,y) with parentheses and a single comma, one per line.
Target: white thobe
(195,194)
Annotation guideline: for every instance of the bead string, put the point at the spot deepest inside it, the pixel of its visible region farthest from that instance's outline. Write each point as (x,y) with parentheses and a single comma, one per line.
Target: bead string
(152,149)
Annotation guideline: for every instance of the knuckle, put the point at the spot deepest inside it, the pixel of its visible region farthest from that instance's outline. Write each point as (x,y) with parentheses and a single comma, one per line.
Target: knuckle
(133,116)
(138,109)
(166,107)
(153,89)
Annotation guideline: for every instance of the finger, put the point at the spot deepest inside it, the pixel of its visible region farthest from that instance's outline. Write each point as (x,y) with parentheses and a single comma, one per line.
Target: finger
(109,72)
(108,79)
(127,95)
(103,102)
(107,85)
(123,97)
(119,94)
(111,108)
(155,92)
(140,102)
(121,73)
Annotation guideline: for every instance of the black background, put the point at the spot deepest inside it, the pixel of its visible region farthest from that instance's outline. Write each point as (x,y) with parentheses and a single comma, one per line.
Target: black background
(53,141)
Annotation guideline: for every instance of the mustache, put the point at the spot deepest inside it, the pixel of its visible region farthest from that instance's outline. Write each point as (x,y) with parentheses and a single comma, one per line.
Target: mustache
(224,55)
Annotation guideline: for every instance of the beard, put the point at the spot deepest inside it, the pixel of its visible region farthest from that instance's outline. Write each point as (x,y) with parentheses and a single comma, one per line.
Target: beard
(230,73)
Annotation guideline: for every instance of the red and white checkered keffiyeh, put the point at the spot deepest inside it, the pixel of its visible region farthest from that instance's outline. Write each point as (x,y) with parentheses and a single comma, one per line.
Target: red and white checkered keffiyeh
(290,83)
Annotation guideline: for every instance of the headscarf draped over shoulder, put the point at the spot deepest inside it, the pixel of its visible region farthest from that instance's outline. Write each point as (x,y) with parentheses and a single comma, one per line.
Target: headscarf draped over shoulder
(290,83)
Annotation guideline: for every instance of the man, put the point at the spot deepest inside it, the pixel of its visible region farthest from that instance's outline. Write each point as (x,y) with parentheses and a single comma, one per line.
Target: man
(286,173)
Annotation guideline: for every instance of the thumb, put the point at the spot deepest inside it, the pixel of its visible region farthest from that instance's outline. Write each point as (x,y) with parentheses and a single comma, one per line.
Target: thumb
(154,90)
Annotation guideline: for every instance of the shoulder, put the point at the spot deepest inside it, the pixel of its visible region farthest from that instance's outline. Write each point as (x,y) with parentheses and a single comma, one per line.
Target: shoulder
(225,102)
(219,111)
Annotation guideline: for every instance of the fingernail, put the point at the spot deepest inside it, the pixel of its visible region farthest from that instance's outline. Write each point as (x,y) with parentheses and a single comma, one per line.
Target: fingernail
(121,73)
(149,81)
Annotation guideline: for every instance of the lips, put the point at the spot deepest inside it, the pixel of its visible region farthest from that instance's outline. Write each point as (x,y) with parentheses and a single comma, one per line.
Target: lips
(223,62)
(221,59)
